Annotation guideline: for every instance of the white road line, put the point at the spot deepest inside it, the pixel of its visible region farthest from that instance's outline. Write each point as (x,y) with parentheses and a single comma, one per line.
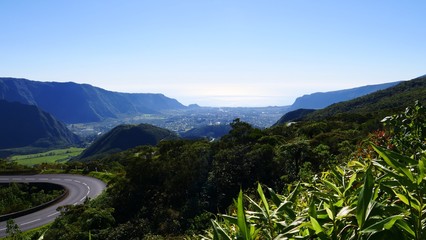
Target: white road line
(53,214)
(38,219)
(85,184)
(4,179)
(2,229)
(76,181)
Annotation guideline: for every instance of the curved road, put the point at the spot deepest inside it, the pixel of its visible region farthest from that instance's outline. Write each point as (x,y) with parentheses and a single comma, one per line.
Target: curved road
(79,187)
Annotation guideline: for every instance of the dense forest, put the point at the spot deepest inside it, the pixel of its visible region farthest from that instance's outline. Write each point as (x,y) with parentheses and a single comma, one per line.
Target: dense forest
(174,189)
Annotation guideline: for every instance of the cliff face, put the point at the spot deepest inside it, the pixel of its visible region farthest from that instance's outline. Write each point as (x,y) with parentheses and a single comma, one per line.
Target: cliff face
(26,125)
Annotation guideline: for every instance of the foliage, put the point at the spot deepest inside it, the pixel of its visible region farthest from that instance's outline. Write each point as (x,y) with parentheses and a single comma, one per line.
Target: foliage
(379,196)
(18,196)
(80,221)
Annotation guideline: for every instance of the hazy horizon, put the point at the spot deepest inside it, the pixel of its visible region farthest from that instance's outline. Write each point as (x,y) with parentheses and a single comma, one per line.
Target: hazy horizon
(214,53)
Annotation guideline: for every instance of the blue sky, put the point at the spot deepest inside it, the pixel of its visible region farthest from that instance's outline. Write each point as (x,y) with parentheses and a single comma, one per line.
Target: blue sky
(212,52)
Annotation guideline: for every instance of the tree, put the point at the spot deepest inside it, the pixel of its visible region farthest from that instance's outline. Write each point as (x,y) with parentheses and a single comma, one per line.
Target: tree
(13,231)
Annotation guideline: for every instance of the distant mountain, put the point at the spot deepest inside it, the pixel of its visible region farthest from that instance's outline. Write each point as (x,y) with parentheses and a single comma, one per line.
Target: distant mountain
(323,99)
(210,131)
(27,126)
(78,103)
(384,102)
(378,104)
(127,136)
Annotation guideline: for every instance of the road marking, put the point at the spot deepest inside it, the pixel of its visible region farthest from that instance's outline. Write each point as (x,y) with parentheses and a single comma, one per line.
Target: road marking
(53,214)
(2,229)
(4,179)
(76,181)
(85,184)
(38,219)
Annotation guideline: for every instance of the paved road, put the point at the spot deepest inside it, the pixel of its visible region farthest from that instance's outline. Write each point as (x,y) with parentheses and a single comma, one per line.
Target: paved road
(79,188)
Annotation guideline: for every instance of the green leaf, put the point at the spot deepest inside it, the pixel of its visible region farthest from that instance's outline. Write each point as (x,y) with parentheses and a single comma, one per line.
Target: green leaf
(394,160)
(329,213)
(312,208)
(332,186)
(241,217)
(292,196)
(344,212)
(386,223)
(218,232)
(405,227)
(286,207)
(274,197)
(351,182)
(364,197)
(262,196)
(316,226)
(422,169)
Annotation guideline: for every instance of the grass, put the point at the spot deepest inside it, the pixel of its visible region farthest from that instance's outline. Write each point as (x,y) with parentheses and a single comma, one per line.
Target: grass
(103,176)
(58,155)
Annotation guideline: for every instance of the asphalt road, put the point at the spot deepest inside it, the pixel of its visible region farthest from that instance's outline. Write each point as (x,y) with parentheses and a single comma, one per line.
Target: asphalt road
(79,188)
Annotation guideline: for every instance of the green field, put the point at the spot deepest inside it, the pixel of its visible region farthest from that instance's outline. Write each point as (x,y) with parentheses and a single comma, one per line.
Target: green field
(58,155)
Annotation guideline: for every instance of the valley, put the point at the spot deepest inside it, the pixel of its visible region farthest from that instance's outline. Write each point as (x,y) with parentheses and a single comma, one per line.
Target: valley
(186,119)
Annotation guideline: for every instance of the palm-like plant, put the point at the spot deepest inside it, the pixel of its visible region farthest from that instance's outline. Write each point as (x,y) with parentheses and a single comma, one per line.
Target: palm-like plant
(381,197)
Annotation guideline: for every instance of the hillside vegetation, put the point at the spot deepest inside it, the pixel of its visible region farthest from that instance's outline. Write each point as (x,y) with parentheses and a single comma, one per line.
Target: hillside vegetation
(374,105)
(380,103)
(127,136)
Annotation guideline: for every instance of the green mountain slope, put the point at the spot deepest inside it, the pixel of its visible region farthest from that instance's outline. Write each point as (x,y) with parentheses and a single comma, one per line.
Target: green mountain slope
(27,126)
(378,104)
(127,136)
(323,99)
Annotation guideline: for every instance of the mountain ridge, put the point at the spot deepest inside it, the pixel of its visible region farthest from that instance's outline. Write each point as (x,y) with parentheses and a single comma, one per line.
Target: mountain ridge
(380,103)
(78,103)
(320,100)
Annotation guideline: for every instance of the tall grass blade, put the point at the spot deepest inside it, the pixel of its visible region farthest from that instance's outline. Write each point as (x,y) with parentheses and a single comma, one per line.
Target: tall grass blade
(365,197)
(242,223)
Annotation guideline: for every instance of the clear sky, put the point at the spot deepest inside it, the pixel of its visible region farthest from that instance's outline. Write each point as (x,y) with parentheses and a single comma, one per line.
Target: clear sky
(215,52)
